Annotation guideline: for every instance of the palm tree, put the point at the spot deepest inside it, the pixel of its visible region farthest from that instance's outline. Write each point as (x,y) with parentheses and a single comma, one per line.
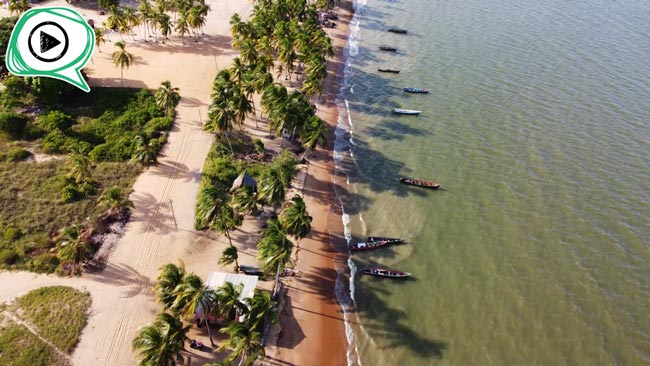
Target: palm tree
(192,296)
(272,187)
(80,168)
(73,248)
(294,218)
(274,252)
(145,152)
(230,256)
(146,12)
(161,342)
(229,305)
(244,342)
(225,220)
(195,20)
(167,97)
(99,37)
(170,277)
(245,199)
(165,25)
(182,27)
(261,309)
(115,20)
(315,133)
(131,19)
(18,7)
(114,202)
(122,59)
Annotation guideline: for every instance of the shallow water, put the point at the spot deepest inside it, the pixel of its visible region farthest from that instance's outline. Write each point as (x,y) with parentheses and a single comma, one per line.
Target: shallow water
(535,252)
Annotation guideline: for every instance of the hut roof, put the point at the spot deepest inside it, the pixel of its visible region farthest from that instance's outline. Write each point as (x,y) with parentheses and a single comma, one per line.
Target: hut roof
(244,180)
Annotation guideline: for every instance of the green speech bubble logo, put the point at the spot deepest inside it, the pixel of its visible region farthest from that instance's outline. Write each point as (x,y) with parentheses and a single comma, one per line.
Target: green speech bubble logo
(54,42)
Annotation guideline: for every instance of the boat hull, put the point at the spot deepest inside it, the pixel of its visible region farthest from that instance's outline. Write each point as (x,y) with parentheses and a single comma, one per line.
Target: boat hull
(419,183)
(385,272)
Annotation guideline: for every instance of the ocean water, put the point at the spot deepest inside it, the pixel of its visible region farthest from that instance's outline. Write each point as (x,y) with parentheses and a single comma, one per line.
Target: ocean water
(537,249)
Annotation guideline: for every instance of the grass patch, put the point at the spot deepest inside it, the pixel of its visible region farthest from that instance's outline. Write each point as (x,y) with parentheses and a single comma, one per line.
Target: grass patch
(19,347)
(31,210)
(60,314)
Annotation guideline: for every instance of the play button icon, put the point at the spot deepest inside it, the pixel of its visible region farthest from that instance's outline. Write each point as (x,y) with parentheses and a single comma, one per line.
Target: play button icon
(48,42)
(50,39)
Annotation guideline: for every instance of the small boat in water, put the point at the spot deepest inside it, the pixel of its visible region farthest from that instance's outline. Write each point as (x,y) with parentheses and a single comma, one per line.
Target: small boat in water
(385,272)
(369,245)
(388,48)
(389,70)
(397,30)
(419,183)
(406,111)
(416,90)
(383,238)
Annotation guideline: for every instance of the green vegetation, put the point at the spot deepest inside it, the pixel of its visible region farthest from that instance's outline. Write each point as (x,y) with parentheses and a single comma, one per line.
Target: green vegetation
(59,313)
(19,347)
(98,143)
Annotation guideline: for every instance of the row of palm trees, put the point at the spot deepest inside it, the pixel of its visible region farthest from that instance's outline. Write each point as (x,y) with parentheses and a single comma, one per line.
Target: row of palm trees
(183,295)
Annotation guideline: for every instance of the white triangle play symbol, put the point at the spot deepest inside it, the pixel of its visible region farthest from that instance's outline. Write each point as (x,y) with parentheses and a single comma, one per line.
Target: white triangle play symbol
(48,42)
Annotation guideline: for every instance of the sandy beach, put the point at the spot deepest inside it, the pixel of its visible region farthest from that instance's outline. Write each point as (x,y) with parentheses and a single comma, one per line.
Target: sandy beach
(161,227)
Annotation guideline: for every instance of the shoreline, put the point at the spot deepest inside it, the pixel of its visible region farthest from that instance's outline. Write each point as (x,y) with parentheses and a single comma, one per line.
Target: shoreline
(312,314)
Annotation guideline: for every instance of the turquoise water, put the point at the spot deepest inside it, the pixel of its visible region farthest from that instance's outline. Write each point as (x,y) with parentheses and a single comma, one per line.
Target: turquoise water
(536,252)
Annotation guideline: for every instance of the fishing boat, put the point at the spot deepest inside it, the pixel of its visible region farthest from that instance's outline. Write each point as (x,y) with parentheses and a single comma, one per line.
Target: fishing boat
(397,30)
(369,245)
(383,238)
(251,270)
(385,272)
(416,90)
(419,183)
(389,70)
(406,111)
(388,48)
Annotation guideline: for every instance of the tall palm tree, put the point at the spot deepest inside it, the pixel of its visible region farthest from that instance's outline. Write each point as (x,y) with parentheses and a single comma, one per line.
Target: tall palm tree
(192,296)
(115,20)
(145,152)
(165,25)
(229,304)
(18,7)
(99,37)
(315,133)
(225,220)
(73,248)
(122,58)
(274,252)
(160,343)
(294,218)
(79,168)
(244,342)
(230,255)
(170,277)
(131,19)
(272,187)
(167,97)
(261,309)
(182,27)
(114,202)
(146,15)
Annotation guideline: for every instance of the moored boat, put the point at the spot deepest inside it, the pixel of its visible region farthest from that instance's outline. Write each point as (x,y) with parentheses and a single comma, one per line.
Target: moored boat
(397,30)
(389,70)
(406,111)
(416,90)
(388,48)
(383,238)
(385,272)
(419,183)
(370,245)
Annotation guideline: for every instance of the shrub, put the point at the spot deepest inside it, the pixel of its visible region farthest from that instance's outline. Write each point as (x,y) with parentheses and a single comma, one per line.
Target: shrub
(55,120)
(46,262)
(16,89)
(8,256)
(157,124)
(12,124)
(17,153)
(58,142)
(12,233)
(49,91)
(70,193)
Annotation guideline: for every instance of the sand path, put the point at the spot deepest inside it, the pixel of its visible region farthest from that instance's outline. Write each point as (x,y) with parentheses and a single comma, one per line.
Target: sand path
(161,226)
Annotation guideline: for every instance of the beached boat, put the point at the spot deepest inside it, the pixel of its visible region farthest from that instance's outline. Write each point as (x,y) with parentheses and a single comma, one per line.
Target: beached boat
(388,48)
(419,183)
(369,245)
(406,111)
(416,90)
(385,272)
(397,30)
(389,70)
(383,238)
(251,270)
